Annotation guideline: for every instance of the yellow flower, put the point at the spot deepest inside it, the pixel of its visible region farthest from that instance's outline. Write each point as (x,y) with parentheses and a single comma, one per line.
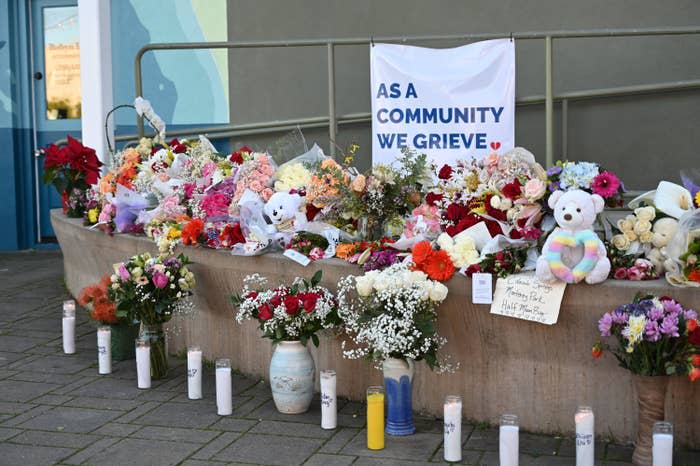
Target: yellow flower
(92,215)
(697,199)
(173,233)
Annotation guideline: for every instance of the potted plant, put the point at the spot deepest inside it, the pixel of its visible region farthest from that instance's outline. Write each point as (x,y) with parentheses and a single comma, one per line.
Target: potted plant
(150,290)
(390,316)
(655,337)
(101,309)
(72,169)
(290,316)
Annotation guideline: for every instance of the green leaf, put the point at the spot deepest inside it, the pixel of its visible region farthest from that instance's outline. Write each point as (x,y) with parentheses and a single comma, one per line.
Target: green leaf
(316,279)
(303,339)
(121,314)
(314,338)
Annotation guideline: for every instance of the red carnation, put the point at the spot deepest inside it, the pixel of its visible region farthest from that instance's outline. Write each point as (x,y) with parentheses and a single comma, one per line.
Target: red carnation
(513,190)
(276,300)
(236,158)
(291,303)
(445,172)
(264,312)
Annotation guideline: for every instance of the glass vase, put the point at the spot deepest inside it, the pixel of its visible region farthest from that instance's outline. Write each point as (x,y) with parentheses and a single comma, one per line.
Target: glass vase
(159,354)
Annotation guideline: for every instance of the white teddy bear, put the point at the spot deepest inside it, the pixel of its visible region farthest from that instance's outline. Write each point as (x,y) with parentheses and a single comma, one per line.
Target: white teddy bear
(573,251)
(664,230)
(283,211)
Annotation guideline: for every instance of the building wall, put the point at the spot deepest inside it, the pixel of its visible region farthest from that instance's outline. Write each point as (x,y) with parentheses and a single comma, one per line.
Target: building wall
(645,138)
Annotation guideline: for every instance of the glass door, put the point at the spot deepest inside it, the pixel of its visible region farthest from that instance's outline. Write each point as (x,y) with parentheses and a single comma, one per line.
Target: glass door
(56,92)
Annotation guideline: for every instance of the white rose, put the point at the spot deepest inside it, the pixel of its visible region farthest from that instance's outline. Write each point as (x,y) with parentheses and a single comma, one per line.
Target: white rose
(642,226)
(646,237)
(621,242)
(631,235)
(438,292)
(624,225)
(506,204)
(645,213)
(364,286)
(416,276)
(496,202)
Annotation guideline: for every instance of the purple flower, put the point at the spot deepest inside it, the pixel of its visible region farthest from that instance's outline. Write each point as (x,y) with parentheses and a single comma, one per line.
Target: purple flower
(620,316)
(605,324)
(669,326)
(655,314)
(172,262)
(160,280)
(124,273)
(380,260)
(672,307)
(690,314)
(555,170)
(651,331)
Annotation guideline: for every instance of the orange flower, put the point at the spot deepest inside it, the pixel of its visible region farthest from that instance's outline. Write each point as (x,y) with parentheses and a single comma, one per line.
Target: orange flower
(421,251)
(694,374)
(183,218)
(691,325)
(345,251)
(106,185)
(126,176)
(694,276)
(439,266)
(192,231)
(88,294)
(105,311)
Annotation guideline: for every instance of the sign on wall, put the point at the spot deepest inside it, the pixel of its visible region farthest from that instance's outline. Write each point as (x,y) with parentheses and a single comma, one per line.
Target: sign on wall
(448,103)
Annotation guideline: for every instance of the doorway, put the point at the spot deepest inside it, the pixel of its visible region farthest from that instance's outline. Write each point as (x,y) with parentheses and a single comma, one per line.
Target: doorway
(56,110)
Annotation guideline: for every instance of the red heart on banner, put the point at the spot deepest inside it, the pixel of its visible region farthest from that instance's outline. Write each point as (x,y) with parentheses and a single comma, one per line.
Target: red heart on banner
(495,145)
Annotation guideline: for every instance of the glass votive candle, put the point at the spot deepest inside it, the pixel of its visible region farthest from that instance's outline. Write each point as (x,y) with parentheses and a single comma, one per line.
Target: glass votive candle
(375,418)
(329,411)
(224,393)
(585,433)
(143,362)
(509,440)
(452,413)
(194,372)
(662,444)
(68,324)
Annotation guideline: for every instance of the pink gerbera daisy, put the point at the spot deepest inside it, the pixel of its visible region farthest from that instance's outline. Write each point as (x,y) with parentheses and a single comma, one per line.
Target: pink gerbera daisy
(605,184)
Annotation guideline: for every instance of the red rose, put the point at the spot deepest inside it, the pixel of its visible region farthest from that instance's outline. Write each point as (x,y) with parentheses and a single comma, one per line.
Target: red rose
(236,158)
(291,303)
(251,295)
(513,190)
(264,312)
(432,198)
(472,269)
(276,300)
(455,212)
(694,374)
(692,324)
(694,337)
(695,360)
(311,212)
(177,147)
(310,302)
(445,172)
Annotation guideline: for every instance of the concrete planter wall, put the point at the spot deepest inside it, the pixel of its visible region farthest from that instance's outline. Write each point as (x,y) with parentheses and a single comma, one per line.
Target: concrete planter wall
(540,372)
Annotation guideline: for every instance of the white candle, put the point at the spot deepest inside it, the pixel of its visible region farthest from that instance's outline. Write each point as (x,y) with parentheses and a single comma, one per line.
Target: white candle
(224,399)
(194,373)
(104,349)
(509,440)
(585,444)
(69,326)
(452,412)
(662,447)
(143,362)
(329,409)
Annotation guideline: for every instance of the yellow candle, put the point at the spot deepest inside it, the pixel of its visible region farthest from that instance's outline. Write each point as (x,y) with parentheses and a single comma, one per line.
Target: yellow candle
(375,418)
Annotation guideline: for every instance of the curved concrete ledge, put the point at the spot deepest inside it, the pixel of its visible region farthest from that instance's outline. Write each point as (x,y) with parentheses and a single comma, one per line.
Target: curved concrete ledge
(539,372)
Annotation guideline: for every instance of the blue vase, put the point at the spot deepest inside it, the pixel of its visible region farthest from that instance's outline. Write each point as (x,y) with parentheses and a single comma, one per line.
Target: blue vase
(398,385)
(292,373)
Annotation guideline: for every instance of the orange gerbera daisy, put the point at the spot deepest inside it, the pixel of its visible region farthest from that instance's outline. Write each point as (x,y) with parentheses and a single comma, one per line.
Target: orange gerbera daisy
(439,266)
(344,251)
(421,251)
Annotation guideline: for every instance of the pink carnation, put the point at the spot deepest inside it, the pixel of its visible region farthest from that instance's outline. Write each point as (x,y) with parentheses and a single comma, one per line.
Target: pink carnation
(215,205)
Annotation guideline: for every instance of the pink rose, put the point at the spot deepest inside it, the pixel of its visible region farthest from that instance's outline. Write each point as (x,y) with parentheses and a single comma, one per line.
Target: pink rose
(635,273)
(620,274)
(534,189)
(267,194)
(267,170)
(316,254)
(256,186)
(160,280)
(642,264)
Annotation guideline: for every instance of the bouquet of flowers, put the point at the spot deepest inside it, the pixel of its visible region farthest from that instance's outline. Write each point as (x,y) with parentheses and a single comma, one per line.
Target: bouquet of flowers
(288,312)
(151,290)
(655,336)
(255,174)
(309,244)
(589,177)
(70,168)
(629,266)
(392,314)
(505,192)
(502,263)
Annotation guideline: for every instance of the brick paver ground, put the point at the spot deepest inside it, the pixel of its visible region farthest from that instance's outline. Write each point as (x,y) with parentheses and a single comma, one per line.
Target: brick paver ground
(55,408)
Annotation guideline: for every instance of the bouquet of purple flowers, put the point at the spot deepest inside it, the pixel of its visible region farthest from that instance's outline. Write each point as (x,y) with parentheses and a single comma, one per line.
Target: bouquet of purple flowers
(655,336)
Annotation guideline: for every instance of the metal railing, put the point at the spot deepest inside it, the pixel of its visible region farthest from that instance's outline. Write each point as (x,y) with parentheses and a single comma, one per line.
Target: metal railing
(332,120)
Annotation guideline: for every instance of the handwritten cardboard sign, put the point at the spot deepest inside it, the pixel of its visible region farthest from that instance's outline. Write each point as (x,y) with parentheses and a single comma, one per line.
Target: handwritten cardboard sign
(523,296)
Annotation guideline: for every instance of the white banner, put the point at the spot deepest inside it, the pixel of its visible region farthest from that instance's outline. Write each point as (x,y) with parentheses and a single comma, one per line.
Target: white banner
(448,103)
